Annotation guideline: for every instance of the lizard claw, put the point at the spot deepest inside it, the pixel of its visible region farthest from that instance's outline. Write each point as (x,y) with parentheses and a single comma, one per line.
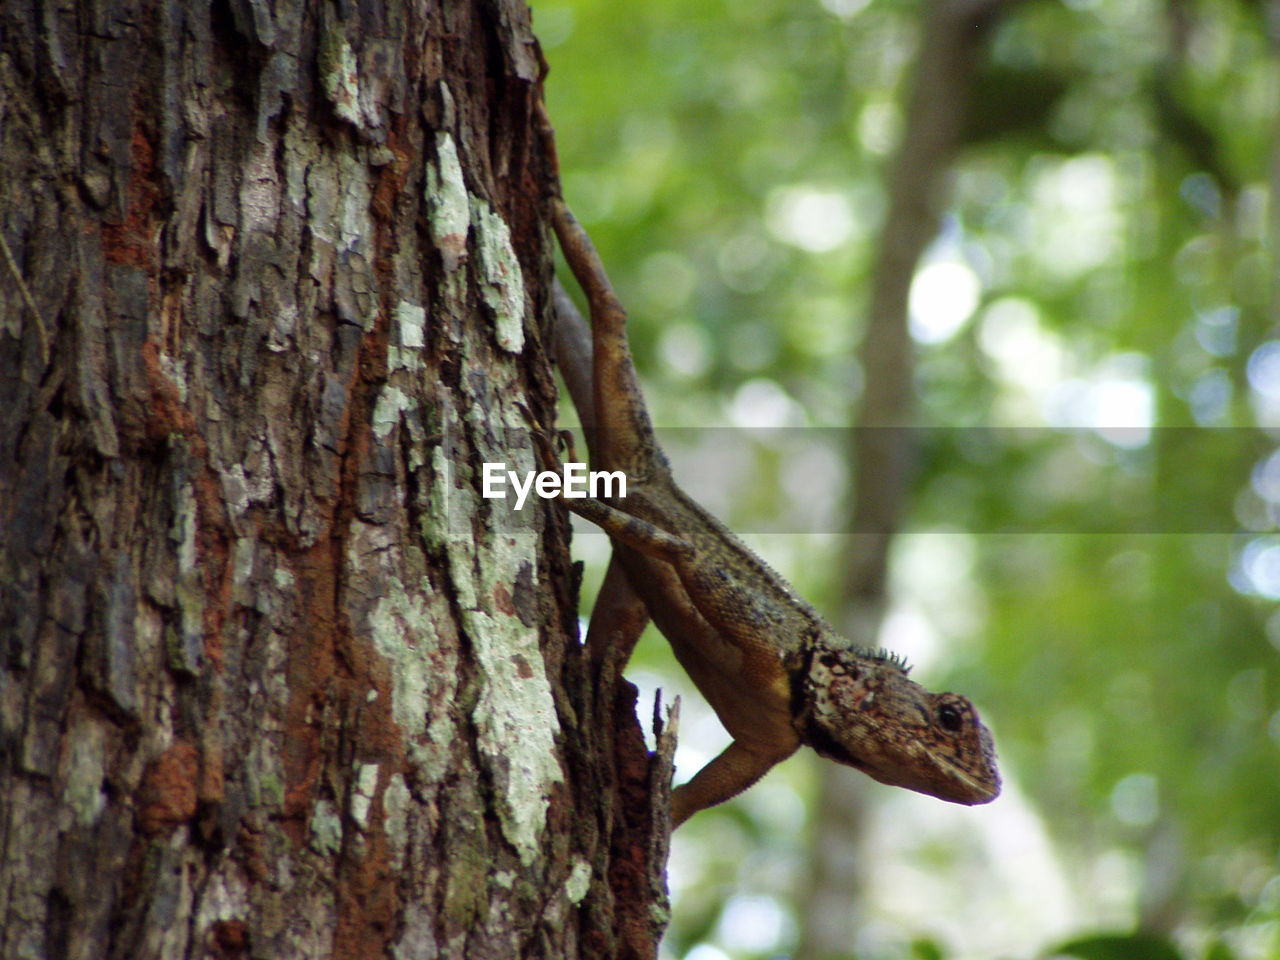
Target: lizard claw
(567,444)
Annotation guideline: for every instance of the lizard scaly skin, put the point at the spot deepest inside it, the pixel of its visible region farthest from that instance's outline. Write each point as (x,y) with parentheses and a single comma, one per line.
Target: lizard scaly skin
(776,673)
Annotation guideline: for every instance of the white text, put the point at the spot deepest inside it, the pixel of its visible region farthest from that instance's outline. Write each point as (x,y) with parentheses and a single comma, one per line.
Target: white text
(575,481)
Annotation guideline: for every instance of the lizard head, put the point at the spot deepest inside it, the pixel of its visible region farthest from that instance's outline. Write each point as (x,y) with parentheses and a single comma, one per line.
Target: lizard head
(861,709)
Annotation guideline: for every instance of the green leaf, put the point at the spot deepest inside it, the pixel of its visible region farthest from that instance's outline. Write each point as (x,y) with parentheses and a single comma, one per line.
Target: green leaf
(1135,946)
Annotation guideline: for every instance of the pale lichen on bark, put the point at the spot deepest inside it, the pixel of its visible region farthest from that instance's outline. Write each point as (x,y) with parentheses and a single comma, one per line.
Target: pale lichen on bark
(338,75)
(516,722)
(185,639)
(448,206)
(396,801)
(85,773)
(325,828)
(454,213)
(575,888)
(409,321)
(392,401)
(363,792)
(403,627)
(225,897)
(515,716)
(338,194)
(501,282)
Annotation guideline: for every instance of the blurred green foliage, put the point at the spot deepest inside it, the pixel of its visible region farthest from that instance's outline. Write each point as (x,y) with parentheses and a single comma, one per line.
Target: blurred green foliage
(1113,217)
(1135,947)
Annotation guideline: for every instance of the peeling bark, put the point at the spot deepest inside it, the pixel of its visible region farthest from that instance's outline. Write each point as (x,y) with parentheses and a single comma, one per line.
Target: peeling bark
(276,681)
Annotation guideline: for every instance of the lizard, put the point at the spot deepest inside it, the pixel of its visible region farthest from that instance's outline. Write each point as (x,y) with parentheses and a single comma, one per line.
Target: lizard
(776,673)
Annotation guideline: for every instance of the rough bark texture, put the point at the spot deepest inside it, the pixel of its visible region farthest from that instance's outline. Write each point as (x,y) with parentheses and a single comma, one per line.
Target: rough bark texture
(276,681)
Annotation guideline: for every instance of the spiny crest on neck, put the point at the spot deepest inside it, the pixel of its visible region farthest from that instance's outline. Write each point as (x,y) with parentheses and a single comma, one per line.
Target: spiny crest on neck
(880,656)
(886,655)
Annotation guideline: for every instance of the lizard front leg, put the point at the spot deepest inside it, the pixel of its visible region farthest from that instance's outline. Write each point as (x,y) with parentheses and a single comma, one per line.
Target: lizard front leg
(737,768)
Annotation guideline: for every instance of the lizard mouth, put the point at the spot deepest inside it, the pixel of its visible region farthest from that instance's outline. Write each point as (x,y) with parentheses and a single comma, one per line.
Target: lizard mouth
(949,781)
(970,790)
(976,793)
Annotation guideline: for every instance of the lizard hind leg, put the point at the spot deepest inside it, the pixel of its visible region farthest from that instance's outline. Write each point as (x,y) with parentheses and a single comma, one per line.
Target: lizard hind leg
(617,620)
(726,776)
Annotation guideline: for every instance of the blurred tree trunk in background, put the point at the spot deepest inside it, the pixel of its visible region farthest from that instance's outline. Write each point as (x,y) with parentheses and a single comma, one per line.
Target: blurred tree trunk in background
(1272,17)
(275,681)
(952,39)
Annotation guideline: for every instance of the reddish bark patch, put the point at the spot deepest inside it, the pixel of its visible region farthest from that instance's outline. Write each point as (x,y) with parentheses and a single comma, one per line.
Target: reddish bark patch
(503,600)
(253,852)
(331,672)
(393,176)
(212,545)
(166,414)
(230,938)
(167,794)
(312,677)
(134,241)
(368,900)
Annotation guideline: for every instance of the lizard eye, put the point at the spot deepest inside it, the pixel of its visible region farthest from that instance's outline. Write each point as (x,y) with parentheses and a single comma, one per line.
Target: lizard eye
(950,717)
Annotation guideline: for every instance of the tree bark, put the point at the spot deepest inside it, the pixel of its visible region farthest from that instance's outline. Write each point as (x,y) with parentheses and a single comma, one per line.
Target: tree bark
(276,680)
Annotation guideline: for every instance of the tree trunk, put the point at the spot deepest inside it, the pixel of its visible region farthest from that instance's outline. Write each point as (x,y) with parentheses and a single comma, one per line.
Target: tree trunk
(277,682)
(951,42)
